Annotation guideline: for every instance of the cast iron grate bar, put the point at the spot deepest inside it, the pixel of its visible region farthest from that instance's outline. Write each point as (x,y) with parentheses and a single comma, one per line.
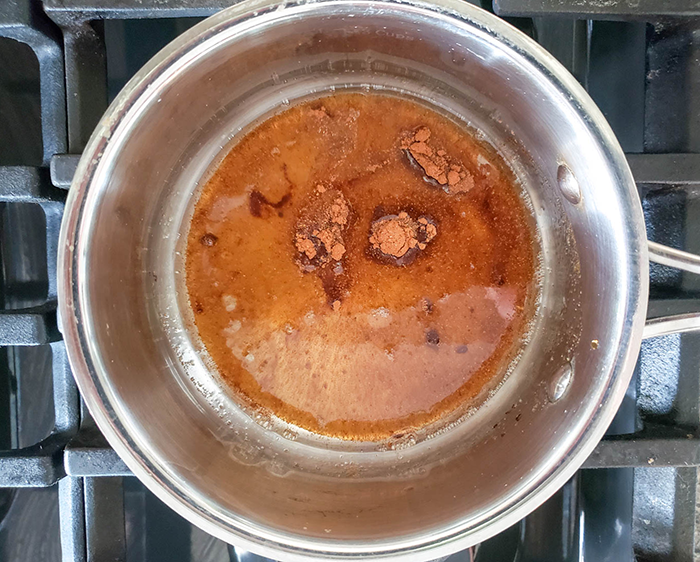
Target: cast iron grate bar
(84,10)
(36,325)
(591,9)
(29,326)
(127,9)
(638,450)
(42,464)
(24,22)
(665,169)
(88,454)
(26,184)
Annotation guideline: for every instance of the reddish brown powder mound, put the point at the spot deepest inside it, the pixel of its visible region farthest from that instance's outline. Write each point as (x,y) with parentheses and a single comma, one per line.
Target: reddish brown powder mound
(319,238)
(398,235)
(319,231)
(436,163)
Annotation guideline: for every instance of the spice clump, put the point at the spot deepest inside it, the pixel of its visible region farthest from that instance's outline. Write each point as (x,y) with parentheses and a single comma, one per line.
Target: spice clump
(436,163)
(319,234)
(400,237)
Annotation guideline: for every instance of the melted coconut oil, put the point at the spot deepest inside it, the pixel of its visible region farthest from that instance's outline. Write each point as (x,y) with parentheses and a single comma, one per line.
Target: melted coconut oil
(361,266)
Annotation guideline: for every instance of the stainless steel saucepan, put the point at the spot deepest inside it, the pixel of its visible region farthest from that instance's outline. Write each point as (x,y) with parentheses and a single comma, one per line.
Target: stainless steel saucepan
(271,488)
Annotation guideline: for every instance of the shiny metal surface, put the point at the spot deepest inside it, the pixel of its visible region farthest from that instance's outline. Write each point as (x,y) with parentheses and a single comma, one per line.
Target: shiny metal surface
(676,324)
(255,482)
(679,323)
(672,257)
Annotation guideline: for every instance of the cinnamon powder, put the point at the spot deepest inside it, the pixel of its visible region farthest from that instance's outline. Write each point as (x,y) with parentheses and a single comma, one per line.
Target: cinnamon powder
(436,163)
(398,235)
(319,231)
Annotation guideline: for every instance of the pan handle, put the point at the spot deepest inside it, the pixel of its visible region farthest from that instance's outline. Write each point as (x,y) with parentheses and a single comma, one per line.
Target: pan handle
(677,323)
(674,258)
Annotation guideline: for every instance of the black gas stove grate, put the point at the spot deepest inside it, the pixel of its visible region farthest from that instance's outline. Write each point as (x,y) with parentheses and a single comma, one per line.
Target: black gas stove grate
(643,71)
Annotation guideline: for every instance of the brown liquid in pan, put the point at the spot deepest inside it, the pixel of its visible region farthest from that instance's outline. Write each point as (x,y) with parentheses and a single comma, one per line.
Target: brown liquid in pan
(360,266)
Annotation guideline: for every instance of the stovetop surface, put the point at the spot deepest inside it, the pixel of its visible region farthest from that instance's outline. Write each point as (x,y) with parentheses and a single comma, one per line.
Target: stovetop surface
(70,498)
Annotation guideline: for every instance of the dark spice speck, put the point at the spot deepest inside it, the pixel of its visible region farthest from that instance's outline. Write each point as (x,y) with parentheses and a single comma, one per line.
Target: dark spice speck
(209,239)
(432,337)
